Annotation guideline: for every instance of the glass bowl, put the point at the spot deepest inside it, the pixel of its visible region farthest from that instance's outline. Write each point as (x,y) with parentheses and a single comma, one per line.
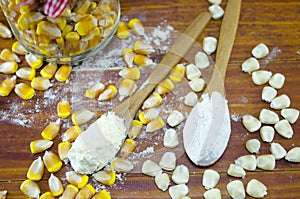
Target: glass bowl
(84,26)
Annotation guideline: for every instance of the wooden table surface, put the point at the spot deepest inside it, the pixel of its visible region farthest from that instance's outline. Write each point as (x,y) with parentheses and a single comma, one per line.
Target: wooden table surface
(275,23)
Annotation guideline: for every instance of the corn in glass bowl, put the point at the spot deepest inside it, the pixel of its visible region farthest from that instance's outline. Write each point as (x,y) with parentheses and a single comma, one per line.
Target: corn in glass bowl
(84,26)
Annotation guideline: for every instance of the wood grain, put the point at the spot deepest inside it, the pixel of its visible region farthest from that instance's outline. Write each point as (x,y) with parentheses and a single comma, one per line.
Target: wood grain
(275,23)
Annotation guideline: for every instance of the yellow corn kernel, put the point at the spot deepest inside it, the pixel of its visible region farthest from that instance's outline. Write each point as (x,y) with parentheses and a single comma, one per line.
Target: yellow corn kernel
(70,192)
(36,170)
(177,73)
(33,61)
(103,194)
(122,31)
(148,115)
(63,149)
(87,192)
(83,8)
(63,73)
(55,185)
(9,67)
(82,117)
(51,130)
(61,22)
(48,71)
(130,73)
(152,101)
(72,36)
(8,55)
(105,177)
(109,93)
(136,26)
(76,179)
(127,147)
(135,129)
(86,25)
(35,17)
(52,162)
(71,134)
(5,31)
(164,86)
(60,42)
(128,56)
(63,109)
(30,188)
(43,39)
(126,88)
(23,22)
(67,12)
(40,83)
(93,34)
(95,90)
(108,21)
(24,91)
(38,146)
(48,49)
(18,48)
(8,85)
(49,29)
(121,165)
(26,73)
(142,60)
(68,28)
(154,125)
(143,48)
(93,5)
(47,195)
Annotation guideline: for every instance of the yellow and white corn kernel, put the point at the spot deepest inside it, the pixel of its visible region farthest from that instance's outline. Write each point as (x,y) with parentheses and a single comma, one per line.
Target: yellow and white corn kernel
(8,55)
(63,109)
(55,185)
(266,162)
(41,83)
(48,71)
(162,181)
(175,118)
(128,56)
(36,170)
(136,26)
(86,25)
(82,116)
(143,48)
(127,147)
(83,9)
(51,130)
(52,162)
(268,117)
(121,165)
(267,133)
(63,73)
(76,179)
(277,150)
(109,93)
(30,188)
(126,88)
(87,192)
(152,101)
(70,192)
(24,91)
(164,87)
(150,168)
(253,145)
(256,189)
(293,155)
(201,60)
(209,45)
(63,149)
(71,134)
(251,123)
(284,128)
(155,125)
(170,139)
(192,72)
(38,146)
(60,22)
(261,77)
(147,115)
(178,191)
(105,177)
(268,94)
(280,102)
(191,99)
(181,174)
(26,73)
(249,65)
(5,31)
(9,67)
(95,90)
(103,194)
(210,178)
(142,60)
(177,73)
(290,114)
(216,11)
(260,51)
(135,129)
(47,195)
(7,85)
(247,162)
(236,171)
(197,84)
(33,61)
(130,73)
(236,189)
(122,31)
(48,29)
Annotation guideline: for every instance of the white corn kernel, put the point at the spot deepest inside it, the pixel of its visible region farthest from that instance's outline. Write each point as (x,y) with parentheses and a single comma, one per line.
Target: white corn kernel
(216,11)
(256,189)
(267,133)
(249,65)
(218,2)
(280,102)
(178,191)
(260,51)
(212,194)
(175,118)
(121,165)
(261,77)
(268,117)
(171,139)
(277,80)
(197,84)
(201,60)
(191,99)
(236,171)
(192,72)
(162,181)
(293,155)
(253,145)
(284,128)
(247,162)
(268,94)
(209,45)
(150,168)
(290,114)
(210,178)
(251,123)
(168,161)
(236,189)
(277,150)
(266,162)
(181,174)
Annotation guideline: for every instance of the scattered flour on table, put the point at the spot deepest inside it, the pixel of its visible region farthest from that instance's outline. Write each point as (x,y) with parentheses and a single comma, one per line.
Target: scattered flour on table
(272,55)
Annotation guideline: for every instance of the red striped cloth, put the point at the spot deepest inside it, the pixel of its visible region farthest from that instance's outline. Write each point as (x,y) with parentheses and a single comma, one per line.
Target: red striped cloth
(54,8)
